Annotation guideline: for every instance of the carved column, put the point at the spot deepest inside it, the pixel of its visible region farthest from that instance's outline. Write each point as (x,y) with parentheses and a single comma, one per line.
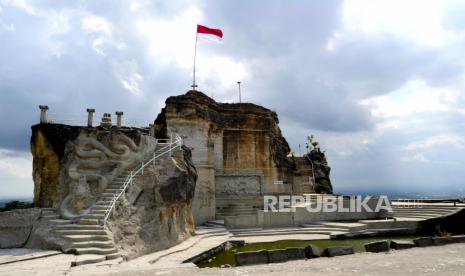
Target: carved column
(90,116)
(119,114)
(43,114)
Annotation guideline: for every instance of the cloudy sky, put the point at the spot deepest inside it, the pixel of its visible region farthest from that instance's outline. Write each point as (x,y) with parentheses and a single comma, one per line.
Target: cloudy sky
(380,83)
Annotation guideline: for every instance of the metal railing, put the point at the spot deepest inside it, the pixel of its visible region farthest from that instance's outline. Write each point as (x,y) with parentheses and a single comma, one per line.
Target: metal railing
(174,142)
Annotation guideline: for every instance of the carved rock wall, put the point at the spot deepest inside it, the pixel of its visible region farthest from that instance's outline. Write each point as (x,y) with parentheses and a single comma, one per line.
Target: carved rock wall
(73,165)
(156,211)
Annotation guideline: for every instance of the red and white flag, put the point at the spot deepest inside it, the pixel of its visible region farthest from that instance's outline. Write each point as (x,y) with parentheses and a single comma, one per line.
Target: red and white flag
(207,34)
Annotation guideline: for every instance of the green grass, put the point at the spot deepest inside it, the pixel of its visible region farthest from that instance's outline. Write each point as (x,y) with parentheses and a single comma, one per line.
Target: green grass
(227,256)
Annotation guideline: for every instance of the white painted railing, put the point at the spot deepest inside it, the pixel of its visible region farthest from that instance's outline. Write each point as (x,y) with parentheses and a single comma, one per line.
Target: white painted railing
(174,142)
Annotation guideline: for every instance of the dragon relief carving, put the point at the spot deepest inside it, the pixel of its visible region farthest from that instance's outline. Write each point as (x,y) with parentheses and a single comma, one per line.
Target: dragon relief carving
(94,165)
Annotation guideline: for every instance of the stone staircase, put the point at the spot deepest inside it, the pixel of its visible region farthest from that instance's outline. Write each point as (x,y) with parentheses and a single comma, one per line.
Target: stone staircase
(236,209)
(424,211)
(317,228)
(88,237)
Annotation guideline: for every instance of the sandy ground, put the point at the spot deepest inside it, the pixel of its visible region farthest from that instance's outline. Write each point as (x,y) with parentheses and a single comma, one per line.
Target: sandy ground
(442,260)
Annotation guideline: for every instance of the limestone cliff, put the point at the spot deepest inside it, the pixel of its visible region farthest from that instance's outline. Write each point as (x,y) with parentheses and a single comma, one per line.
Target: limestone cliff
(238,150)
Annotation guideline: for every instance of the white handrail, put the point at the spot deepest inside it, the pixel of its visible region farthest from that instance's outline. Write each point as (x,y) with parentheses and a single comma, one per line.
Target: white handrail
(177,142)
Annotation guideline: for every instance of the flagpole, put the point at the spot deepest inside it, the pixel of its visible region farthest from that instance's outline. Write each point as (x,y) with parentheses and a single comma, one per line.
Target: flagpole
(195,54)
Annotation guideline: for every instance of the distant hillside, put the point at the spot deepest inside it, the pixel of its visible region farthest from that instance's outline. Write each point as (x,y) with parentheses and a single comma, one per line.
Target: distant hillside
(3,201)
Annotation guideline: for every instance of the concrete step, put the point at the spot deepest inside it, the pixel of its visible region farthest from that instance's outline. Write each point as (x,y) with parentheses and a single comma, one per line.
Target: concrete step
(79,227)
(81,232)
(96,250)
(87,238)
(88,259)
(96,244)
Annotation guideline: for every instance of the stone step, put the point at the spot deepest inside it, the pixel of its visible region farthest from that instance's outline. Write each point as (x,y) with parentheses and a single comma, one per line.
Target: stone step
(71,232)
(87,238)
(49,217)
(426,216)
(423,210)
(288,230)
(99,208)
(88,259)
(93,216)
(112,190)
(85,221)
(48,212)
(96,250)
(219,222)
(94,244)
(103,202)
(96,211)
(49,209)
(79,227)
(415,216)
(60,221)
(239,210)
(322,231)
(113,256)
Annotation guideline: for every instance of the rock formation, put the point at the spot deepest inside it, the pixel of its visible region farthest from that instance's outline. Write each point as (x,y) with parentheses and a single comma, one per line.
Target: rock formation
(238,150)
(156,212)
(73,165)
(321,171)
(74,168)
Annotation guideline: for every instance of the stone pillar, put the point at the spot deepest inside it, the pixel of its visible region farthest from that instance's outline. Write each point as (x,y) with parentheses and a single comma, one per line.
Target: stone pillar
(151,130)
(106,120)
(43,114)
(90,116)
(119,114)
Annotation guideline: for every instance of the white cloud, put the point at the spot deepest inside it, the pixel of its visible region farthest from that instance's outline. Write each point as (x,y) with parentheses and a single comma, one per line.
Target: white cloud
(417,157)
(128,75)
(416,21)
(414,97)
(21,4)
(96,24)
(15,164)
(429,142)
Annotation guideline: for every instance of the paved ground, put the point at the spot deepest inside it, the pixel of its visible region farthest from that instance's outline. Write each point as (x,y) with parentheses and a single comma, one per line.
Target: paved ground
(442,260)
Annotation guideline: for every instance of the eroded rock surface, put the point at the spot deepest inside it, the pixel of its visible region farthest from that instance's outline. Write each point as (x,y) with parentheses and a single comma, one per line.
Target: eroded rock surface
(16,226)
(238,150)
